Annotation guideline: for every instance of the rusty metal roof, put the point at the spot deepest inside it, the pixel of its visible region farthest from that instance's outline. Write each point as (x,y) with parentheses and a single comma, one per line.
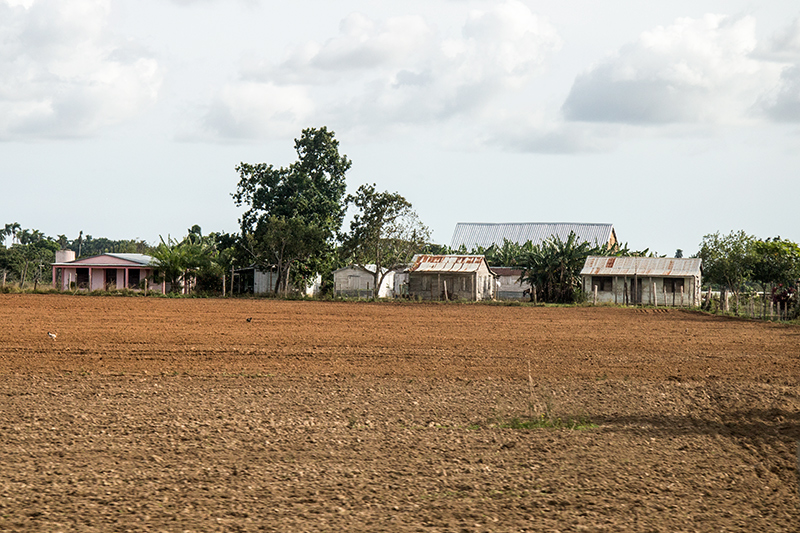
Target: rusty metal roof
(474,234)
(447,263)
(641,266)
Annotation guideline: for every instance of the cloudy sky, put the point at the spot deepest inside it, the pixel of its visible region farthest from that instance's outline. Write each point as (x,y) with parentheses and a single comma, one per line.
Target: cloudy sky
(671,120)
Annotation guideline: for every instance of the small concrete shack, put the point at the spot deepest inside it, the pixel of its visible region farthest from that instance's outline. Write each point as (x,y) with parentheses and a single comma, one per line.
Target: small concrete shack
(104,272)
(358,281)
(451,277)
(643,280)
(509,286)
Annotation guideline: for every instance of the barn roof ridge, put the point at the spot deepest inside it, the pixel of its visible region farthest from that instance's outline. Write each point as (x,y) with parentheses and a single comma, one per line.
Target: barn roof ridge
(485,234)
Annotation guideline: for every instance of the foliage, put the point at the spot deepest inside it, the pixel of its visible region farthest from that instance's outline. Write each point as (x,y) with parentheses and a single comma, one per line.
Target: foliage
(294,213)
(88,246)
(553,267)
(385,232)
(775,261)
(509,254)
(182,263)
(727,259)
(28,258)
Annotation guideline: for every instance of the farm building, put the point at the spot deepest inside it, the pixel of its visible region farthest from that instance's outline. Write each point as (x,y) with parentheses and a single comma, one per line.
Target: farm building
(104,272)
(643,280)
(451,277)
(509,286)
(472,235)
(359,282)
(253,280)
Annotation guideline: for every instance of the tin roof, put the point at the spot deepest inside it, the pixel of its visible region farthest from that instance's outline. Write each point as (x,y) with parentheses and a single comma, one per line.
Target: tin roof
(641,266)
(369,268)
(474,234)
(446,263)
(507,271)
(112,260)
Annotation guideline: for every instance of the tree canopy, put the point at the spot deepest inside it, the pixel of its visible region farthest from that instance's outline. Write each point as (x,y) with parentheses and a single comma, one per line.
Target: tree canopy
(294,213)
(385,232)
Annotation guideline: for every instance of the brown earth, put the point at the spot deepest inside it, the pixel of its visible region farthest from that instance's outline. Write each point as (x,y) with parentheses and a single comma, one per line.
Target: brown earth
(180,415)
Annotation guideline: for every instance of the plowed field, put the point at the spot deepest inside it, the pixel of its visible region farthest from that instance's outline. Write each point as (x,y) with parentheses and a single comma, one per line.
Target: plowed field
(149,414)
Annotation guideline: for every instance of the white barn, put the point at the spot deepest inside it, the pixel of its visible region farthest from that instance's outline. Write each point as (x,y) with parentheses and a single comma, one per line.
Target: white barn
(643,280)
(357,281)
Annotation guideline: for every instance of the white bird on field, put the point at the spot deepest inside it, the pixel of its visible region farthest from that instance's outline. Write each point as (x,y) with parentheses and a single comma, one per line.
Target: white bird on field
(51,335)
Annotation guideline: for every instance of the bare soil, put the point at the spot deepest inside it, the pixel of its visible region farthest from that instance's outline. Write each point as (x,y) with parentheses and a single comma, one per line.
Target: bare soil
(150,414)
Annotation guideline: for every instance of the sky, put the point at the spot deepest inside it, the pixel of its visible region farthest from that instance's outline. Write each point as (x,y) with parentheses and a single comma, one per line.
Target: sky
(126,119)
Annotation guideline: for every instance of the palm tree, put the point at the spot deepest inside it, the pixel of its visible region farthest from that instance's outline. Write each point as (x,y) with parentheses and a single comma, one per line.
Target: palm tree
(553,268)
(11,230)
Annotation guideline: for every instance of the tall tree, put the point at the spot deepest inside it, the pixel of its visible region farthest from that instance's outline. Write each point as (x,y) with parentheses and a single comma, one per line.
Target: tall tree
(11,230)
(775,262)
(728,260)
(295,212)
(385,232)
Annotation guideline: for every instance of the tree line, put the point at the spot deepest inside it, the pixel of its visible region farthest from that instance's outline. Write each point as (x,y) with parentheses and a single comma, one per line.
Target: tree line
(739,262)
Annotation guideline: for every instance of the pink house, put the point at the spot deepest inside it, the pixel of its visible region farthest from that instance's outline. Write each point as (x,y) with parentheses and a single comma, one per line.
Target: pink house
(104,272)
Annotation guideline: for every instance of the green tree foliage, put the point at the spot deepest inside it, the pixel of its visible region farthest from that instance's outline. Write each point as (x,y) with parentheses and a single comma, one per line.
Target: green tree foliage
(553,267)
(29,257)
(294,213)
(88,246)
(728,260)
(509,254)
(775,261)
(776,267)
(184,264)
(10,230)
(385,232)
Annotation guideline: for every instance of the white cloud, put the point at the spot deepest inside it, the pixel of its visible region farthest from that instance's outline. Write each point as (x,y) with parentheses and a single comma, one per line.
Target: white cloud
(255,110)
(380,74)
(693,71)
(784,44)
(64,73)
(782,102)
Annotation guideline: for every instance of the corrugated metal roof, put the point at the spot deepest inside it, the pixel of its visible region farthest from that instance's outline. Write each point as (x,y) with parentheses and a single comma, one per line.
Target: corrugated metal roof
(507,271)
(641,266)
(111,260)
(369,268)
(142,259)
(446,263)
(474,234)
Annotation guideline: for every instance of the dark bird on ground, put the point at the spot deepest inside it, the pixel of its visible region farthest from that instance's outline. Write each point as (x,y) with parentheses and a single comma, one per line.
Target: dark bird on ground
(249,319)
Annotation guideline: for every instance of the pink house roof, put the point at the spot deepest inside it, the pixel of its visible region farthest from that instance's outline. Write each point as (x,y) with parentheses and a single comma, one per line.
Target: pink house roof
(111,260)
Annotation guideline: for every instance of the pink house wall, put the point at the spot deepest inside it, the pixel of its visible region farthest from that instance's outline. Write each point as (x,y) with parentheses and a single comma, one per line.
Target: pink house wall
(98,278)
